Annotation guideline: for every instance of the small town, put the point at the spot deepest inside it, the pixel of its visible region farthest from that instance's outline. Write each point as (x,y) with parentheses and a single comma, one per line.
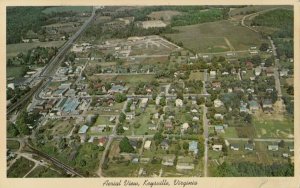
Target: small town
(152,91)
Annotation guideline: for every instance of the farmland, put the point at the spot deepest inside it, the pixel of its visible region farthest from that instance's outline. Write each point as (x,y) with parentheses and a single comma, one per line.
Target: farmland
(79,9)
(15,49)
(211,37)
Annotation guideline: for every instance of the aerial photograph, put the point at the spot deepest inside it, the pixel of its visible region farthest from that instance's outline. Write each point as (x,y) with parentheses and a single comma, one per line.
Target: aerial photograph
(150,91)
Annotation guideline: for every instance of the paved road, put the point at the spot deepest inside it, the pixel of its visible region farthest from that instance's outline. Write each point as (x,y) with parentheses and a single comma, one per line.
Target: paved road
(261,139)
(276,73)
(205,134)
(123,74)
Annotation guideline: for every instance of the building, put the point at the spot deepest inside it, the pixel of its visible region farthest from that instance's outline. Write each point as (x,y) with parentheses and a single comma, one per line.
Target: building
(218,116)
(193,147)
(257,71)
(217,147)
(234,147)
(168,124)
(253,105)
(143,103)
(153,24)
(82,132)
(117,89)
(185,163)
(291,148)
(179,103)
(249,147)
(168,160)
(184,127)
(270,71)
(102,141)
(147,145)
(284,72)
(273,147)
(165,144)
(212,74)
(249,65)
(219,129)
(218,103)
(216,84)
(267,103)
(130,115)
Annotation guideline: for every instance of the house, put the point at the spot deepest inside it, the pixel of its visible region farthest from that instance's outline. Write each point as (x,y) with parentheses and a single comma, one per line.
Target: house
(284,72)
(243,107)
(291,148)
(185,163)
(147,144)
(168,124)
(249,147)
(178,103)
(234,147)
(117,89)
(184,127)
(285,155)
(253,105)
(216,84)
(168,160)
(219,129)
(218,116)
(270,71)
(102,141)
(217,147)
(249,65)
(112,118)
(82,132)
(195,118)
(130,115)
(218,103)
(152,127)
(165,144)
(194,111)
(273,147)
(133,143)
(267,103)
(212,74)
(143,103)
(135,160)
(193,147)
(257,71)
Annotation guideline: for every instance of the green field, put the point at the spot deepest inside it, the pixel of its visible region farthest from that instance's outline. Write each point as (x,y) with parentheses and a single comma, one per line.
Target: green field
(196,75)
(78,9)
(211,37)
(20,168)
(274,128)
(42,171)
(14,71)
(14,49)
(13,145)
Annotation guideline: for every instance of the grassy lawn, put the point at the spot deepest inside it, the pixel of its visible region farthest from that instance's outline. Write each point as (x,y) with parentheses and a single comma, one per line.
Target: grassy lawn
(210,37)
(13,145)
(79,9)
(102,120)
(15,49)
(144,121)
(121,170)
(135,78)
(14,71)
(20,168)
(274,128)
(62,127)
(230,132)
(196,75)
(42,171)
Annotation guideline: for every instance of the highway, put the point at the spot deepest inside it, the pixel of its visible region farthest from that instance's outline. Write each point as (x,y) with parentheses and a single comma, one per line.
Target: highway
(50,67)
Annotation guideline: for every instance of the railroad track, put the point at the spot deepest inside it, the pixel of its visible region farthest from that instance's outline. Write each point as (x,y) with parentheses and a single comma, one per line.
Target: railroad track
(54,161)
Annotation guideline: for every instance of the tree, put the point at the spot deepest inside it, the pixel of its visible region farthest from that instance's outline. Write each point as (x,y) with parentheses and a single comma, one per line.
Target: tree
(264,47)
(125,145)
(185,145)
(158,137)
(120,97)
(122,117)
(281,144)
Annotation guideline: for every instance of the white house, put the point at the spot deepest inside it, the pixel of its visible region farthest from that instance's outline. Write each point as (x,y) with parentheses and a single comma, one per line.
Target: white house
(218,103)
(179,103)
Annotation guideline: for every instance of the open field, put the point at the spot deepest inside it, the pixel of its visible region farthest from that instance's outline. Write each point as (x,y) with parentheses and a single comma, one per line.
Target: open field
(255,8)
(211,37)
(166,15)
(15,49)
(14,71)
(196,76)
(12,144)
(79,9)
(135,78)
(274,128)
(20,168)
(42,171)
